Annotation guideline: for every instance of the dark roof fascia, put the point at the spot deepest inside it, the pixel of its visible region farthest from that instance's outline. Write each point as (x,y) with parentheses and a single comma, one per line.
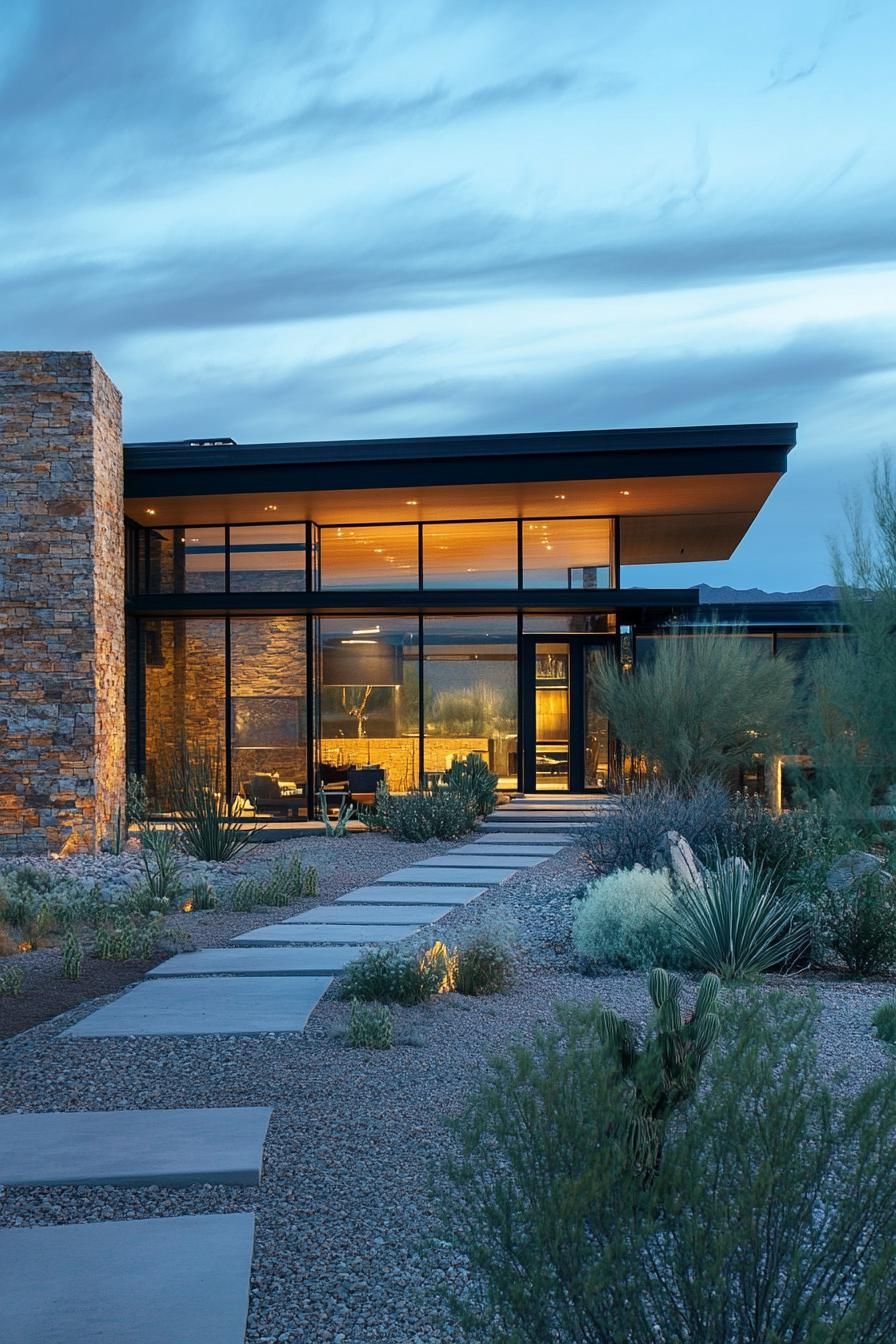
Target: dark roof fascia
(634,603)
(179,469)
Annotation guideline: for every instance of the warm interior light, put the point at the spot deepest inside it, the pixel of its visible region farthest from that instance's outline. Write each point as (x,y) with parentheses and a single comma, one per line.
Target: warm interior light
(411,501)
(357,641)
(367,630)
(150,511)
(270,508)
(625,492)
(559,496)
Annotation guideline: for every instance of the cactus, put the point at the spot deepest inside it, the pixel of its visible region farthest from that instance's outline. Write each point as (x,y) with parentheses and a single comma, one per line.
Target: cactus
(370,1026)
(72,956)
(664,1069)
(12,980)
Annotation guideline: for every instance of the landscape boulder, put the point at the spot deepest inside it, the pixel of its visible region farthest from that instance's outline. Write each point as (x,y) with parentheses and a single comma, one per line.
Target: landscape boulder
(674,852)
(855,867)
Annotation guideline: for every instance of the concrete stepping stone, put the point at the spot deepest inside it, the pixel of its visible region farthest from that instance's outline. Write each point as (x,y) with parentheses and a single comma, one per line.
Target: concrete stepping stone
(410,895)
(359,934)
(462,860)
(510,853)
(258,961)
(210,1006)
(221,1145)
(527,836)
(140,1281)
(475,874)
(383,914)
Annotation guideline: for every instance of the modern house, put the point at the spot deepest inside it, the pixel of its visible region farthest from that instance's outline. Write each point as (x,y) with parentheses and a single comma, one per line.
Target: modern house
(303,609)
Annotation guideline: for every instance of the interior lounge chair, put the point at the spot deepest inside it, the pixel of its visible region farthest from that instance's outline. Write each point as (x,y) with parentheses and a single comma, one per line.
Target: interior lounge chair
(362,783)
(267,794)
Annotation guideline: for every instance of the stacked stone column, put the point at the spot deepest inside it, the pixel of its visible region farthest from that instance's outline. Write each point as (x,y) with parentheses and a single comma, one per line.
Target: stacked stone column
(62,624)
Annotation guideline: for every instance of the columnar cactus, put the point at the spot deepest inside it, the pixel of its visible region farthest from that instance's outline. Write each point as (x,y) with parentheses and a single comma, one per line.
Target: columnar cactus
(72,957)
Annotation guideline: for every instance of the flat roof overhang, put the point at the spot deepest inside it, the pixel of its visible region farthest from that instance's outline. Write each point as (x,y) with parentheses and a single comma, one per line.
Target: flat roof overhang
(683,493)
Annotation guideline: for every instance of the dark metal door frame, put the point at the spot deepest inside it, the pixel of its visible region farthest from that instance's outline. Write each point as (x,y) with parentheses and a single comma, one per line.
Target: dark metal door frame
(577,651)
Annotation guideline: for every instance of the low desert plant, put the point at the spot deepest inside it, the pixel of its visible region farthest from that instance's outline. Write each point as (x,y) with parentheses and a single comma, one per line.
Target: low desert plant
(628,831)
(12,980)
(72,956)
(195,786)
(472,779)
(370,1026)
(245,895)
(160,858)
(123,937)
(885,1021)
(424,814)
(483,963)
(389,975)
(771,1216)
(335,827)
(858,924)
(200,896)
(136,803)
(737,922)
(625,919)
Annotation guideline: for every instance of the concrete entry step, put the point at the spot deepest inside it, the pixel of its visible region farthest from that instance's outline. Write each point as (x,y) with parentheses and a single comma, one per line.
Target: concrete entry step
(509,853)
(461,859)
(219,1145)
(473,875)
(258,961)
(359,934)
(385,894)
(141,1281)
(383,914)
(524,836)
(209,1006)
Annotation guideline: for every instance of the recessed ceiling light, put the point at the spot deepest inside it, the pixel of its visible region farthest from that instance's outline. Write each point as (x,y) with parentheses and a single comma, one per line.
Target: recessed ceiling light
(412,501)
(378,550)
(472,571)
(150,510)
(270,508)
(559,496)
(625,492)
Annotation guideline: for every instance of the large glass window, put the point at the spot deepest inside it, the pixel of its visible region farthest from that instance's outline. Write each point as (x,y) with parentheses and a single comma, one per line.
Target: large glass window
(184,695)
(268,712)
(368,558)
(185,560)
(267,559)
(470,693)
(567,552)
(369,703)
(470,555)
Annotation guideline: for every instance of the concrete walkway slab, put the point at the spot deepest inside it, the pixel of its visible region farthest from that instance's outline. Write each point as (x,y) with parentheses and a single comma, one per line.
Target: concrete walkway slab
(475,875)
(509,853)
(384,894)
(461,859)
(526,836)
(221,1145)
(382,914)
(141,1281)
(258,961)
(210,1006)
(359,934)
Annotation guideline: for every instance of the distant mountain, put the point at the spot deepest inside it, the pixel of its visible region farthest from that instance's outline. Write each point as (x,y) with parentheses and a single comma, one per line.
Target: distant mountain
(825,592)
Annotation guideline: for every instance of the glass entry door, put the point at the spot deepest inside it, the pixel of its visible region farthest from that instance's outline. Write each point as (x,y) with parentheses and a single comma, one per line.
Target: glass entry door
(566,746)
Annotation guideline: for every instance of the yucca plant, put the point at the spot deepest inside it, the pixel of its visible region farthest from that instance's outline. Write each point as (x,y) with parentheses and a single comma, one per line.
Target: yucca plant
(336,827)
(737,922)
(196,790)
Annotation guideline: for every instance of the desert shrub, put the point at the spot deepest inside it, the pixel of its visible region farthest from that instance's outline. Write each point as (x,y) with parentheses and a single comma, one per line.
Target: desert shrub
(628,831)
(798,846)
(200,896)
(752,1230)
(423,814)
(161,883)
(12,980)
(625,919)
(124,936)
(483,963)
(704,704)
(472,779)
(136,803)
(245,895)
(72,956)
(885,1021)
(738,922)
(36,902)
(858,924)
(370,1026)
(390,975)
(289,881)
(196,791)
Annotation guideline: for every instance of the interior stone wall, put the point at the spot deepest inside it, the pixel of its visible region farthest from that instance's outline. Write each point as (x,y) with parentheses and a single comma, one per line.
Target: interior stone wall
(62,627)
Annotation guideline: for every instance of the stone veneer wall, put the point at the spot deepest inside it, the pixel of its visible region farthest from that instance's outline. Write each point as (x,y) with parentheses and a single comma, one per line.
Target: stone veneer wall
(62,627)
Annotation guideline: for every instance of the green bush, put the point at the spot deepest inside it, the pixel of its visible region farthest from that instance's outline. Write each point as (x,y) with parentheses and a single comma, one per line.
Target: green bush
(12,980)
(370,1026)
(858,924)
(625,919)
(123,937)
(426,814)
(389,975)
(629,832)
(738,923)
(771,1216)
(885,1021)
(482,964)
(472,779)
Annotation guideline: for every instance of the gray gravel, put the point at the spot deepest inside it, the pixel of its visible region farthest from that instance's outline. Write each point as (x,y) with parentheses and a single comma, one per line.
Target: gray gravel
(343,1212)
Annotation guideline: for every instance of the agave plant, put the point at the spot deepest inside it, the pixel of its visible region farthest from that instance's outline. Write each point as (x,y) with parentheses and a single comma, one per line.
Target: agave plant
(737,922)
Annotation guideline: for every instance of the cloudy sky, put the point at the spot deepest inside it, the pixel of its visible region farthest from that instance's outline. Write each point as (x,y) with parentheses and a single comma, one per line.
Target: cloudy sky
(331,218)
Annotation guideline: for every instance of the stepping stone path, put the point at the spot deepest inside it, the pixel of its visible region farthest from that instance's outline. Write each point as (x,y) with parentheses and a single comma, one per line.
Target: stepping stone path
(143,1281)
(221,1145)
(179,1280)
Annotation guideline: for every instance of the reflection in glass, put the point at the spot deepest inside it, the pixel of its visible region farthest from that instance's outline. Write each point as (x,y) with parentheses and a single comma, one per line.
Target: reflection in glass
(365,558)
(268,714)
(184,695)
(470,555)
(597,725)
(470,681)
(551,716)
(369,702)
(567,552)
(185,560)
(267,559)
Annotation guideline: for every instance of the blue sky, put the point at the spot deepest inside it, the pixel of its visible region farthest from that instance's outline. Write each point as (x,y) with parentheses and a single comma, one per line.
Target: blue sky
(331,218)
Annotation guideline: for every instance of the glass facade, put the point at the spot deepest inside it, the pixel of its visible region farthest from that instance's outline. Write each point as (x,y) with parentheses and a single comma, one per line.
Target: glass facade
(267,559)
(470,693)
(567,553)
(470,555)
(184,695)
(268,709)
(366,558)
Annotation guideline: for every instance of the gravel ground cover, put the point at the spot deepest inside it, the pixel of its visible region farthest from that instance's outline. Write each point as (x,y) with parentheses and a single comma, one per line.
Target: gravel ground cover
(344,1214)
